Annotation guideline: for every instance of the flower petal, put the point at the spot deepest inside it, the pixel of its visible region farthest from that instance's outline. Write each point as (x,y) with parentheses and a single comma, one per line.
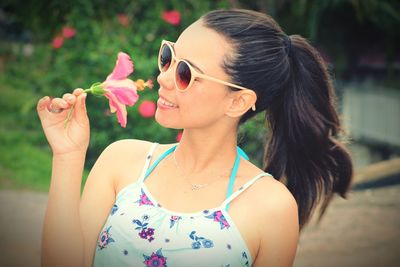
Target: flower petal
(116,106)
(123,67)
(124,95)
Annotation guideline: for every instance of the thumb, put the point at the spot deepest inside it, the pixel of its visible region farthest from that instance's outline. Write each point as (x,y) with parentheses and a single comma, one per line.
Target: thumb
(80,109)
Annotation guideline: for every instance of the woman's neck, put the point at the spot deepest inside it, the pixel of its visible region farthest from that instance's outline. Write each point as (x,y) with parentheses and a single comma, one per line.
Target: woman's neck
(200,153)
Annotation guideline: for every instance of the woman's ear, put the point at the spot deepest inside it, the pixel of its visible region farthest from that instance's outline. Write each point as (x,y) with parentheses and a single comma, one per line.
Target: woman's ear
(240,102)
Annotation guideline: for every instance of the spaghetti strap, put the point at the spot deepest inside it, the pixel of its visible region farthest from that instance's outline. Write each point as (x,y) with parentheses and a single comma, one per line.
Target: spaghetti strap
(229,199)
(147,163)
(149,170)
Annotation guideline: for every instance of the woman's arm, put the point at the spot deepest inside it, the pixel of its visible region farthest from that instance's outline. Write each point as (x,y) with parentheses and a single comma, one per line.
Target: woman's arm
(279,229)
(73,223)
(62,240)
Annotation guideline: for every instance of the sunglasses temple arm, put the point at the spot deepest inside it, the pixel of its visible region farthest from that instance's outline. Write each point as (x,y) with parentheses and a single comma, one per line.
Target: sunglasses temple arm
(225,83)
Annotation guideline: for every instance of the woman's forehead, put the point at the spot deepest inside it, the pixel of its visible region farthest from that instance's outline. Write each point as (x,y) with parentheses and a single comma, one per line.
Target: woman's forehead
(203,46)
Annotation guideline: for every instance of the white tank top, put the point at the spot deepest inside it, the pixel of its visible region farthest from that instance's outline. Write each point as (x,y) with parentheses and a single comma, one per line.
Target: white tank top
(140,232)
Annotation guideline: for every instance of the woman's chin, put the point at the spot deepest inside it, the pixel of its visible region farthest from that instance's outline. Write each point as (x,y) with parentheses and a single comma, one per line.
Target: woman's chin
(165,121)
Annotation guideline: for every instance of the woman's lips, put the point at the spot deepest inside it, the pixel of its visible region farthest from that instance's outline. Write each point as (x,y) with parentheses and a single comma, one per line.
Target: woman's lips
(164,103)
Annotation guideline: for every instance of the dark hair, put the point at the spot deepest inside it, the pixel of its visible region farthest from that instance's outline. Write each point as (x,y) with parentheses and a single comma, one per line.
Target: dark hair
(294,89)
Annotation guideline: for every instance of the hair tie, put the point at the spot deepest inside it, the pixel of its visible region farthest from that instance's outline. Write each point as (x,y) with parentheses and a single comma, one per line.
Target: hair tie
(288,43)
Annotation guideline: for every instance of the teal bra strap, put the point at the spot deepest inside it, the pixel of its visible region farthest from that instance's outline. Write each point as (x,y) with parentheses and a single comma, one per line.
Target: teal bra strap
(240,153)
(233,174)
(166,153)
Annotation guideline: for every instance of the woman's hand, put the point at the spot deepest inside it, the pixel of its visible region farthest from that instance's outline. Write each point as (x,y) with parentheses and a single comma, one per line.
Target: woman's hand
(53,114)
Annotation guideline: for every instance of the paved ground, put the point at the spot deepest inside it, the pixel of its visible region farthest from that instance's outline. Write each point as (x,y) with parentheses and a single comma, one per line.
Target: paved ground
(361,231)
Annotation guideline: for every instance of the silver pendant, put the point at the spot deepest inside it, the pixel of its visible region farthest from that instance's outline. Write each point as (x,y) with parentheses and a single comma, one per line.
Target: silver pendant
(198,186)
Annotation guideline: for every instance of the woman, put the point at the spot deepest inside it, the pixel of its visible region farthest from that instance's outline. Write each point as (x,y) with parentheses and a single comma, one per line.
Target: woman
(201,202)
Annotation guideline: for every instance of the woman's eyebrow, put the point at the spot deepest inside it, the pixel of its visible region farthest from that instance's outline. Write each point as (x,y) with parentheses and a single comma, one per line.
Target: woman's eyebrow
(191,63)
(194,66)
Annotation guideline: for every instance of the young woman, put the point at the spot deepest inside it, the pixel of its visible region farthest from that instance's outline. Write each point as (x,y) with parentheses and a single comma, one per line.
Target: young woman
(200,202)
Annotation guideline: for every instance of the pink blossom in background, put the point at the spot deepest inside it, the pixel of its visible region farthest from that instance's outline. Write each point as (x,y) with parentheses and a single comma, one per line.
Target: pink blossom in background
(173,17)
(147,109)
(179,136)
(57,42)
(68,32)
(123,19)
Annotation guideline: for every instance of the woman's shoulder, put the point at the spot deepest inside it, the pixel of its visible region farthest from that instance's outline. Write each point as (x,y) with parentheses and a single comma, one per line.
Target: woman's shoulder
(125,154)
(134,147)
(270,194)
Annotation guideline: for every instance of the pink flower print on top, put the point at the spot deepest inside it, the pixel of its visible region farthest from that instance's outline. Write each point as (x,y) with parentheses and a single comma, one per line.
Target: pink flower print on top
(219,217)
(156,259)
(144,200)
(145,232)
(105,238)
(173,220)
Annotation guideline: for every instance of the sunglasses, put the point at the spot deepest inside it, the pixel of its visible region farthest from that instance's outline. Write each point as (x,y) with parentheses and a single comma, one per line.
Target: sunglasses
(184,73)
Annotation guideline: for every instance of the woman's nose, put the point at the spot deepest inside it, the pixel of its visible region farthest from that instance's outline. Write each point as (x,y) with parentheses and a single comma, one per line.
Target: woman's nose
(166,79)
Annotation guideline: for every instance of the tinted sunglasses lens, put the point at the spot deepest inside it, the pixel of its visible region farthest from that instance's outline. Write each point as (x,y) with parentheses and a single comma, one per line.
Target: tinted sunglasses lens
(183,75)
(165,58)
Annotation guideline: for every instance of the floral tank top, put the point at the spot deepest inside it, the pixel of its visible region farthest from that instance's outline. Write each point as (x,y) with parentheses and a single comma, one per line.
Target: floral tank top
(140,232)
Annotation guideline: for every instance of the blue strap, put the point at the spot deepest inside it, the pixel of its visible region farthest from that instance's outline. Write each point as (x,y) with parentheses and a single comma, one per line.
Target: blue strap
(233,175)
(240,153)
(166,153)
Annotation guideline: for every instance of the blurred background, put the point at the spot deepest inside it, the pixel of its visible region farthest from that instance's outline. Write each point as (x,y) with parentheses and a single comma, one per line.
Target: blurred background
(51,47)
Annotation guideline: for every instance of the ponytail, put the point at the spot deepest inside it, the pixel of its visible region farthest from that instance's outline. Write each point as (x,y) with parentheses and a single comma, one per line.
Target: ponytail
(292,84)
(303,148)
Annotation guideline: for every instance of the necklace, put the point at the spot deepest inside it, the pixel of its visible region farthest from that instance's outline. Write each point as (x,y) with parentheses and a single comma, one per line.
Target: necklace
(193,186)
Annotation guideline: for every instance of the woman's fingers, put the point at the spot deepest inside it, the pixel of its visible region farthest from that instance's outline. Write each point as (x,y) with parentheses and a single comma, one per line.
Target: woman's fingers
(80,110)
(69,98)
(58,104)
(78,91)
(42,105)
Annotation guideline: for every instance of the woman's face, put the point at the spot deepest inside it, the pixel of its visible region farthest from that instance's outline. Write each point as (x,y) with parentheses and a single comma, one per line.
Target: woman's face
(205,102)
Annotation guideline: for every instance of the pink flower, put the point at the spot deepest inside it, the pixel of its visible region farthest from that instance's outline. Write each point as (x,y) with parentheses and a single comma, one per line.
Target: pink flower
(155,260)
(105,238)
(219,217)
(144,200)
(57,42)
(123,19)
(143,234)
(68,32)
(120,90)
(173,17)
(147,109)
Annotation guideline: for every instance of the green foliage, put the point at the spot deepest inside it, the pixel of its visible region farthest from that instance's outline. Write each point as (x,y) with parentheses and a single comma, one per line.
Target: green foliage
(30,68)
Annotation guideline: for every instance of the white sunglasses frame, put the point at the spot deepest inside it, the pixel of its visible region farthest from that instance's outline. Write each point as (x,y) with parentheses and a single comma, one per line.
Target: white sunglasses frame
(193,71)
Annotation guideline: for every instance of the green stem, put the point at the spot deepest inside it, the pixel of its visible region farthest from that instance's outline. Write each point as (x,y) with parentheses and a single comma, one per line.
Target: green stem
(69,116)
